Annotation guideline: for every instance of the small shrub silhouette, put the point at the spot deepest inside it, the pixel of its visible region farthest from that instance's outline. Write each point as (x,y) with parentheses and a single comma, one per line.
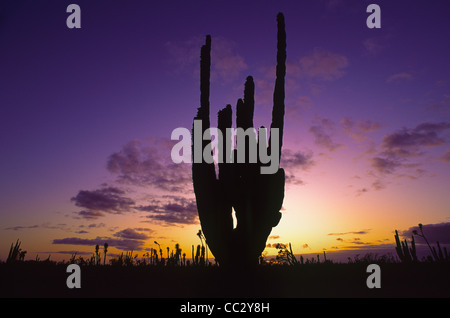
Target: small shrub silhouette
(16,254)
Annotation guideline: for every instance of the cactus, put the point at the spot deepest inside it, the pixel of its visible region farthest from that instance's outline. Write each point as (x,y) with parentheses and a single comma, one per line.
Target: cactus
(405,253)
(105,250)
(199,258)
(97,255)
(255,197)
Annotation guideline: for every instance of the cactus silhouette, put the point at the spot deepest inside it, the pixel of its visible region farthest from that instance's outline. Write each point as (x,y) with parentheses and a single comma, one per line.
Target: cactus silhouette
(256,198)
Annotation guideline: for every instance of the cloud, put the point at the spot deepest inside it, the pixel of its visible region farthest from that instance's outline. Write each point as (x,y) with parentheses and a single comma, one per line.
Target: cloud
(362,232)
(442,106)
(322,138)
(398,147)
(296,159)
(292,161)
(177,210)
(385,165)
(108,199)
(19,228)
(46,225)
(297,106)
(359,129)
(119,243)
(122,244)
(322,131)
(277,245)
(378,185)
(293,179)
(361,191)
(149,164)
(374,46)
(323,65)
(358,241)
(131,234)
(89,215)
(399,77)
(184,54)
(95,225)
(439,232)
(445,157)
(425,134)
(142,164)
(227,64)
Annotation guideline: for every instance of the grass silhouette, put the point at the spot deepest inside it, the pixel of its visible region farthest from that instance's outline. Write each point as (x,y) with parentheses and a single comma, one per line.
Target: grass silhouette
(157,274)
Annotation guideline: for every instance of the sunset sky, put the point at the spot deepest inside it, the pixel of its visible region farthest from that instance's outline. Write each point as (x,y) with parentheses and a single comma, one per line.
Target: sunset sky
(86,117)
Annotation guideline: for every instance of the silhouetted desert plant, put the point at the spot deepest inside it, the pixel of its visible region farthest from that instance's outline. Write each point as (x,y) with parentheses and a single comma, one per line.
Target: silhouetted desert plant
(405,253)
(285,255)
(16,254)
(256,198)
(97,255)
(198,258)
(124,260)
(105,250)
(439,255)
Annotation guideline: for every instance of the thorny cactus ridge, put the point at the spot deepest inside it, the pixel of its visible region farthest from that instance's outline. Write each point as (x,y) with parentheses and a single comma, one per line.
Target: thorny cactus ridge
(256,198)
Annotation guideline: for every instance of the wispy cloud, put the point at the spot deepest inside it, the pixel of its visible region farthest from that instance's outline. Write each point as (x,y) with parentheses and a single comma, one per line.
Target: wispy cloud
(322,65)
(439,232)
(277,245)
(148,164)
(322,131)
(353,232)
(128,240)
(173,210)
(122,244)
(425,134)
(402,76)
(400,146)
(375,46)
(132,234)
(89,215)
(442,106)
(385,165)
(360,128)
(110,199)
(295,161)
(45,225)
(445,157)
(138,167)
(19,227)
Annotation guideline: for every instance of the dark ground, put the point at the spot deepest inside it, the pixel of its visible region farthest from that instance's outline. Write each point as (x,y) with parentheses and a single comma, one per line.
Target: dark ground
(398,280)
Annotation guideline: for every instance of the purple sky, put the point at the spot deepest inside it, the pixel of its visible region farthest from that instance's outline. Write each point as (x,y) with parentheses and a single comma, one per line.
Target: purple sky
(92,109)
